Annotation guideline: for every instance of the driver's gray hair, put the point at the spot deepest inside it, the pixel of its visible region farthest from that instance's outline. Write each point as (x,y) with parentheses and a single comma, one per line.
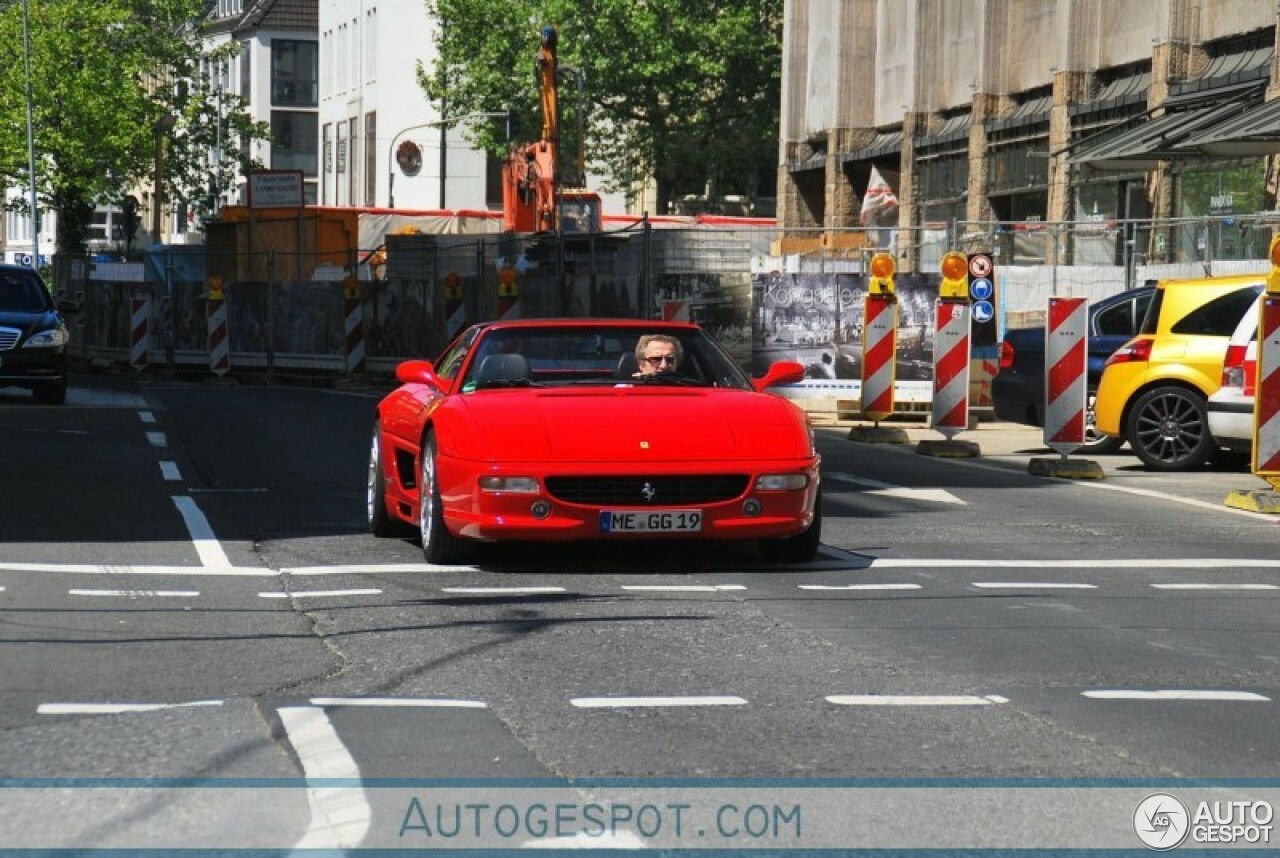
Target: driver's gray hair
(659,338)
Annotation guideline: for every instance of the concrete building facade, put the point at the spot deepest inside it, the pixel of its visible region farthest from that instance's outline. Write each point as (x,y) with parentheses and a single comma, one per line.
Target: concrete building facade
(1026,112)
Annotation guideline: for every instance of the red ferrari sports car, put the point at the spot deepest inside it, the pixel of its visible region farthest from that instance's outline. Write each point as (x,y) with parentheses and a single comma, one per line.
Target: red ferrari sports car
(544,429)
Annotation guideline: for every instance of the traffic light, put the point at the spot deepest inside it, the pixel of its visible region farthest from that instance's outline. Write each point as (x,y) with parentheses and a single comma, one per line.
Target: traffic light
(955,276)
(882,270)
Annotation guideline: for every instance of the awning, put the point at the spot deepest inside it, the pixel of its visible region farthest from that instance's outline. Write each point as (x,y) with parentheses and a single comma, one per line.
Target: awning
(816,161)
(955,130)
(885,143)
(1164,138)
(1254,132)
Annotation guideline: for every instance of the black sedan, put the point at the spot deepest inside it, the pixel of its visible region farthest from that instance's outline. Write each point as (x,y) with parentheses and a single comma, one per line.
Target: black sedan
(33,335)
(1018,392)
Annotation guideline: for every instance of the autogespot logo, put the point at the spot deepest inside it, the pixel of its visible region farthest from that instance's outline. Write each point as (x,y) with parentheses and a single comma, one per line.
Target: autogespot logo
(1161,821)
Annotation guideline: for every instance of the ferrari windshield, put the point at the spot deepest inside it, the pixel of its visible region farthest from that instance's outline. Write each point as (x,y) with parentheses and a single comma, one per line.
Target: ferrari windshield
(561,356)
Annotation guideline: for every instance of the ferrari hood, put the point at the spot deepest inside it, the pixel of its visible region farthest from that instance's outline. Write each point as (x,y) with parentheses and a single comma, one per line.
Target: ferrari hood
(626,424)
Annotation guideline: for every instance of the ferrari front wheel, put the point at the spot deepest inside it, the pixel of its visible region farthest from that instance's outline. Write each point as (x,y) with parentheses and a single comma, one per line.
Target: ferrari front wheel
(800,548)
(439,546)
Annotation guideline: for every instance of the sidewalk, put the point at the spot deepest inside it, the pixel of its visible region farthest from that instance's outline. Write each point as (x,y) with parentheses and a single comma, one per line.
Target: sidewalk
(995,438)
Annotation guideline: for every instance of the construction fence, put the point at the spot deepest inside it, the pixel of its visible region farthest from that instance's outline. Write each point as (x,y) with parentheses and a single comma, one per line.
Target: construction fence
(766,294)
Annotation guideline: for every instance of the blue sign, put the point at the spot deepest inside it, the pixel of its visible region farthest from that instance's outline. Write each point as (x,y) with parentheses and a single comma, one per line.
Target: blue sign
(983,311)
(981,289)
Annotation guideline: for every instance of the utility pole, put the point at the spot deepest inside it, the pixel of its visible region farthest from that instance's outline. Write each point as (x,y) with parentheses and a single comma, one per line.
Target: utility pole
(31,141)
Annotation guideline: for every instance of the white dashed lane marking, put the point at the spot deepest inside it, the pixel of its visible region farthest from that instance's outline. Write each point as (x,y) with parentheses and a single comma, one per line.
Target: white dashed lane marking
(1215,587)
(115,708)
(399,701)
(1233,696)
(146,417)
(169,470)
(502,591)
(914,700)
(682,588)
(859,586)
(136,593)
(1105,563)
(653,702)
(1030,585)
(317,594)
(157,439)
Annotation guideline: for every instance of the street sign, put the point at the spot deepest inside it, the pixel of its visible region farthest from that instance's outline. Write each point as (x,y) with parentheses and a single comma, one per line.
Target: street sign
(980,265)
(982,290)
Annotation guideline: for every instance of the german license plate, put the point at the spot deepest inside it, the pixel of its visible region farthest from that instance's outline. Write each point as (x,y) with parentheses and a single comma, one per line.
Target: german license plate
(651,520)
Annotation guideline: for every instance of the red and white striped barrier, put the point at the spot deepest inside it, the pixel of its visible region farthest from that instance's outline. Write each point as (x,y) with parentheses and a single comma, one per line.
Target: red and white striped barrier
(675,311)
(1266,415)
(219,342)
(353,313)
(879,355)
(1066,390)
(951,368)
(140,333)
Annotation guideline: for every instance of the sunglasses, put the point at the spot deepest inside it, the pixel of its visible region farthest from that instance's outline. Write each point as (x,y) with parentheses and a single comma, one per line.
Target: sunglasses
(661,359)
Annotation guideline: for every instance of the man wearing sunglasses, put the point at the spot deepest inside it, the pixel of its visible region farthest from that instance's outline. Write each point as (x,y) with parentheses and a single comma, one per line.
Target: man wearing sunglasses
(657,353)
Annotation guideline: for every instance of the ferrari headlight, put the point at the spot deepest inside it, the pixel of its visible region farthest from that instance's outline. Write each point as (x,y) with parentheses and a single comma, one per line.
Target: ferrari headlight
(48,339)
(512,485)
(781,482)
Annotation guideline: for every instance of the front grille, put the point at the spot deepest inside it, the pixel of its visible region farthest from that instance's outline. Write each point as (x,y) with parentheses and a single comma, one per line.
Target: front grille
(671,490)
(9,338)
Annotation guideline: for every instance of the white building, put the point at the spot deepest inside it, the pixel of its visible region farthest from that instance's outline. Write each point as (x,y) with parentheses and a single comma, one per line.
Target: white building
(277,72)
(371,107)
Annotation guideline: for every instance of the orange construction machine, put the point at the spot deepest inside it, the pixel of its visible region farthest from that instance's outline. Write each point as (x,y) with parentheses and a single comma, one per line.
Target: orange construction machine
(532,197)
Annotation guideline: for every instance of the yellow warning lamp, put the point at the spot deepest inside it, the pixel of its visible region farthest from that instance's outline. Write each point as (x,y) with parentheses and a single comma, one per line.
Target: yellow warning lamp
(507,280)
(350,288)
(453,285)
(882,269)
(1273,279)
(955,276)
(213,286)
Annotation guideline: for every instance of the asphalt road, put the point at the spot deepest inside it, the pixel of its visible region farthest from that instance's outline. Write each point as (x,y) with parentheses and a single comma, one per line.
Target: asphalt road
(188,591)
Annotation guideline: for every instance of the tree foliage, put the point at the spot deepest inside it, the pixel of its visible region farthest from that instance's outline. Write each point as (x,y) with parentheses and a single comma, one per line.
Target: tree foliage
(684,93)
(104,91)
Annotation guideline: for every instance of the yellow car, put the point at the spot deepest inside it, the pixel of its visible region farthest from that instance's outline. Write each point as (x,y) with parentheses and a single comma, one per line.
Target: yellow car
(1154,388)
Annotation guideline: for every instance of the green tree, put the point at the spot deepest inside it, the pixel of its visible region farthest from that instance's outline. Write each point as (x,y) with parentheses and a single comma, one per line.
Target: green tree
(684,93)
(105,91)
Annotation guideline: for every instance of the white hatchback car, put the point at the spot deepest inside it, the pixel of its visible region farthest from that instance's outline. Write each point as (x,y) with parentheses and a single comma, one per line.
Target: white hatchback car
(1231,407)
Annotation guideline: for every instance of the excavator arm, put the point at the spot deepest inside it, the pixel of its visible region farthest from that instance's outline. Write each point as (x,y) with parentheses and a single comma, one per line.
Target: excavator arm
(530,177)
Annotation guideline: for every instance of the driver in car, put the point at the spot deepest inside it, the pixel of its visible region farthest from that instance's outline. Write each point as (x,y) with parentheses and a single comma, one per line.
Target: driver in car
(657,353)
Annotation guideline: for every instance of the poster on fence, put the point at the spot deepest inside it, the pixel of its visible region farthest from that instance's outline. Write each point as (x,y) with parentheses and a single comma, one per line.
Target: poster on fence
(816,319)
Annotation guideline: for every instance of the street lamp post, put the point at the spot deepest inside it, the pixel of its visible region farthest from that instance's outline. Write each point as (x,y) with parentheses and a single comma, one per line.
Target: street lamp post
(31,141)
(436,123)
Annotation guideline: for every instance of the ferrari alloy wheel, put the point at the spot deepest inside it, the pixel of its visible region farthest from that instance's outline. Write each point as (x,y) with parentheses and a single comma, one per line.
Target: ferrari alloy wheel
(380,521)
(1095,441)
(800,548)
(1169,429)
(439,546)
